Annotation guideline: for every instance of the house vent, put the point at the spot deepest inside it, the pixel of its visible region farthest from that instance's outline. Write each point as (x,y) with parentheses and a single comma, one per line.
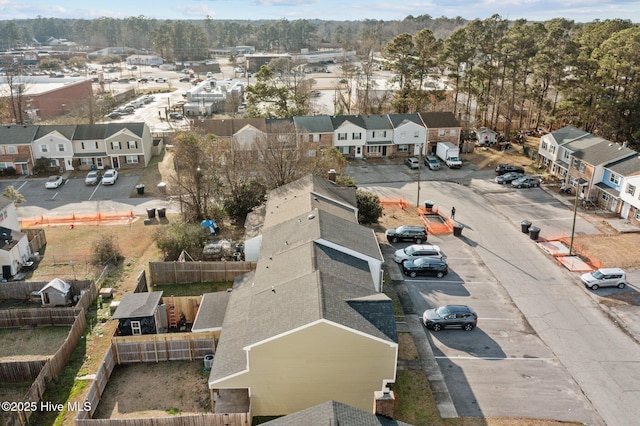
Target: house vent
(311,216)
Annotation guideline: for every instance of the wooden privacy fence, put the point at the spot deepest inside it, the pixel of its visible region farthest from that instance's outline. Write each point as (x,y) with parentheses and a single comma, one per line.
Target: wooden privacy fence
(21,290)
(197,272)
(14,318)
(20,371)
(37,239)
(163,347)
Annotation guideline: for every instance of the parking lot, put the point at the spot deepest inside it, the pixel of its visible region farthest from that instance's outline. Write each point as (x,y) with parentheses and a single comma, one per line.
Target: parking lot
(544,345)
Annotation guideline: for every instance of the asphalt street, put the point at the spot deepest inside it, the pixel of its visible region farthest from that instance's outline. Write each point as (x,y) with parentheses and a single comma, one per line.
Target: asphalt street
(544,347)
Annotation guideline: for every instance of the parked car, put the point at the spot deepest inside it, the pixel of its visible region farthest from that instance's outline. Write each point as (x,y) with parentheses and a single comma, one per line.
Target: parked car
(432,162)
(508,177)
(417,234)
(161,80)
(115,114)
(93,177)
(425,266)
(110,177)
(53,182)
(412,163)
(416,251)
(459,316)
(184,80)
(604,277)
(175,116)
(143,80)
(526,182)
(506,168)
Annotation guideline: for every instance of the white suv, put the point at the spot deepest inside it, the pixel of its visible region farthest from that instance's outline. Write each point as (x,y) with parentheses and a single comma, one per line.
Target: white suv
(417,250)
(604,277)
(412,163)
(110,177)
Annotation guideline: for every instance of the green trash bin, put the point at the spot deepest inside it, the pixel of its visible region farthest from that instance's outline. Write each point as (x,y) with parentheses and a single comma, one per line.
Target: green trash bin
(534,233)
(525,225)
(457,230)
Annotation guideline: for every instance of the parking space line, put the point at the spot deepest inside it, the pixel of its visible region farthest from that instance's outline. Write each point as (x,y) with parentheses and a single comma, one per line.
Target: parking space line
(494,358)
(435,281)
(94,191)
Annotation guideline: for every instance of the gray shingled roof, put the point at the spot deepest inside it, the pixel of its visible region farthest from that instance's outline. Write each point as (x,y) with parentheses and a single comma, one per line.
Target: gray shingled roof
(136,128)
(333,413)
(568,134)
(398,119)
(337,120)
(314,124)
(17,135)
(379,121)
(436,120)
(583,142)
(211,311)
(629,166)
(138,305)
(603,152)
(65,130)
(87,132)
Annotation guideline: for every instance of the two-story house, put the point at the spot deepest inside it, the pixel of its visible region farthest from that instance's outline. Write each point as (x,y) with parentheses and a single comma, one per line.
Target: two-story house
(379,135)
(14,245)
(314,132)
(441,127)
(586,166)
(54,143)
(349,135)
(409,134)
(89,148)
(619,190)
(15,148)
(550,154)
(128,145)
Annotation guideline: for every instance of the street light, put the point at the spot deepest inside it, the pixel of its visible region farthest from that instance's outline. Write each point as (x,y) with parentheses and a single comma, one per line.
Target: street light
(575,213)
(72,263)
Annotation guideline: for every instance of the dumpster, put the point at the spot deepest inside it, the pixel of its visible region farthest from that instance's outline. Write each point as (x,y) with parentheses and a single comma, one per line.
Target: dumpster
(162,212)
(140,189)
(151,213)
(534,232)
(525,225)
(457,230)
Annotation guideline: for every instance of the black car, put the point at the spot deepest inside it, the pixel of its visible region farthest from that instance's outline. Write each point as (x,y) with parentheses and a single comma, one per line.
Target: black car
(417,234)
(506,168)
(185,80)
(459,316)
(425,266)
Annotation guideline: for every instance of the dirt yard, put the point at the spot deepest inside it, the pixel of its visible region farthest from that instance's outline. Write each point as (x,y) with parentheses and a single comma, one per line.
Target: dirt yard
(29,343)
(155,390)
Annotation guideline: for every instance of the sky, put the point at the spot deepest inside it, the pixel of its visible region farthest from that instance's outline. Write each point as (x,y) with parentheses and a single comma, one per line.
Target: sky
(340,10)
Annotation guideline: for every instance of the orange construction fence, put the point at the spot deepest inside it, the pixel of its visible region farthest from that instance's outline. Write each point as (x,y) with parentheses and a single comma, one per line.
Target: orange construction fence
(80,219)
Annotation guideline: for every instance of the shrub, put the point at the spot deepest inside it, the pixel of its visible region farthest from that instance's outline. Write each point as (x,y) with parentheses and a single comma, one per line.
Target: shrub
(105,250)
(369,207)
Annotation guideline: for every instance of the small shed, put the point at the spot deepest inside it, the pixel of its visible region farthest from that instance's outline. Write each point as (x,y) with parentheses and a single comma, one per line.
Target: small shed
(138,314)
(211,312)
(486,136)
(55,293)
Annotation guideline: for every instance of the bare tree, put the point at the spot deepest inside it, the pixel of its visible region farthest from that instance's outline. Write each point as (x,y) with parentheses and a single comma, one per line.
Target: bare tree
(17,87)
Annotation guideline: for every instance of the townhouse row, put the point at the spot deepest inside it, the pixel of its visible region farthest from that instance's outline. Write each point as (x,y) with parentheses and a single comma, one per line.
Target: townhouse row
(355,136)
(76,147)
(602,172)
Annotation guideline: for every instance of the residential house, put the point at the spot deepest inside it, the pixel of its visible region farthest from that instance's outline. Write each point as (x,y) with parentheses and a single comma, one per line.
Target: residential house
(409,134)
(441,127)
(349,135)
(128,145)
(618,190)
(15,149)
(334,413)
(55,293)
(14,245)
(586,166)
(310,324)
(379,135)
(550,153)
(314,132)
(242,132)
(139,313)
(54,143)
(89,147)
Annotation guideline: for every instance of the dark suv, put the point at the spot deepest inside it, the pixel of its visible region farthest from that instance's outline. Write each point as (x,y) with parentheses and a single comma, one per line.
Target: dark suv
(506,168)
(459,316)
(417,234)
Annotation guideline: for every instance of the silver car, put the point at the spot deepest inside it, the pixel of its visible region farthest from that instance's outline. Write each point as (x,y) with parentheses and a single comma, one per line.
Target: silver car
(417,250)
(604,277)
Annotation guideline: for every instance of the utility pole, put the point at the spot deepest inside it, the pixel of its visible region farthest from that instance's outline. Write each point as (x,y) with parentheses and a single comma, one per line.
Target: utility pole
(419,167)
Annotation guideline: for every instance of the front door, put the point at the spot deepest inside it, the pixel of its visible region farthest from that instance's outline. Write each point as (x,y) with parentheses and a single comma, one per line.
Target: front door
(384,151)
(358,152)
(99,164)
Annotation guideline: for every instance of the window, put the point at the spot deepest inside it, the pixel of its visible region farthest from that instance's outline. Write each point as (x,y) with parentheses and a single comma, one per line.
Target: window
(631,189)
(82,145)
(552,149)
(637,215)
(373,149)
(115,145)
(132,159)
(605,196)
(96,142)
(86,161)
(342,136)
(403,148)
(11,149)
(316,137)
(576,163)
(614,179)
(452,132)
(133,144)
(311,153)
(44,148)
(442,132)
(345,150)
(136,330)
(356,136)
(416,134)
(60,147)
(544,145)
(373,134)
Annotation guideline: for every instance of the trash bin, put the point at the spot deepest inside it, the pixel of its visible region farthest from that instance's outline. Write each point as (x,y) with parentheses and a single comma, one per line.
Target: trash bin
(457,230)
(429,204)
(151,213)
(534,232)
(140,189)
(525,224)
(162,188)
(162,212)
